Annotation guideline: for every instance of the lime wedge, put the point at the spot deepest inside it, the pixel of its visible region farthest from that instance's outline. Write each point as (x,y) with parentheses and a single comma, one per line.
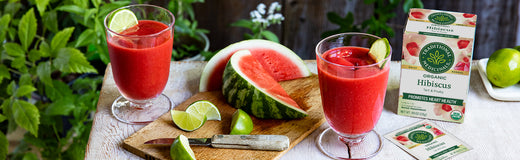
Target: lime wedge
(380,50)
(121,20)
(181,150)
(241,123)
(187,121)
(204,108)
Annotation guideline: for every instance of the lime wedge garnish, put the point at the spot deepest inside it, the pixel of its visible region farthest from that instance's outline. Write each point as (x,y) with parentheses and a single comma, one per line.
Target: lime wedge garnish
(241,123)
(181,150)
(187,121)
(121,20)
(380,50)
(204,108)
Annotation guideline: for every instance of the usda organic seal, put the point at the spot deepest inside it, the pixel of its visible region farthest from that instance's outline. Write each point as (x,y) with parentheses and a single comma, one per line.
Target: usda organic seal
(436,57)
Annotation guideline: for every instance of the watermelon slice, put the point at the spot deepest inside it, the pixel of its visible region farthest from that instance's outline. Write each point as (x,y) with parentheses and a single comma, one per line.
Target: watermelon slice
(279,61)
(248,86)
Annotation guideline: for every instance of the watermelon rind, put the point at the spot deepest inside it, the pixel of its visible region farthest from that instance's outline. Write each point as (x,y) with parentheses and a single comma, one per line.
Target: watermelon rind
(241,92)
(226,53)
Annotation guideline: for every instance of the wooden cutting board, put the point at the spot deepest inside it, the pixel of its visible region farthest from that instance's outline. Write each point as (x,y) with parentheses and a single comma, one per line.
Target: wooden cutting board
(305,91)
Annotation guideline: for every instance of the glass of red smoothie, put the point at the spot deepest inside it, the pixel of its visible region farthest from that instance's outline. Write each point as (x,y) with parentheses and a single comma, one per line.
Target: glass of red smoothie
(353,88)
(140,59)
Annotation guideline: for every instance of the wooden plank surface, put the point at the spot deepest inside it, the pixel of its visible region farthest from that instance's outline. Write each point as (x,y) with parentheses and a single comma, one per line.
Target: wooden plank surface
(305,91)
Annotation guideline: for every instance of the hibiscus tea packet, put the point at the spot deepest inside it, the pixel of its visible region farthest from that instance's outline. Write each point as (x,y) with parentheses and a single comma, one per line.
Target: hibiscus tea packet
(436,64)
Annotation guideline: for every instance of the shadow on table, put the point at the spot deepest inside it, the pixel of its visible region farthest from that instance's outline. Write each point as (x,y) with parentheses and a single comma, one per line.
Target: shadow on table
(392,100)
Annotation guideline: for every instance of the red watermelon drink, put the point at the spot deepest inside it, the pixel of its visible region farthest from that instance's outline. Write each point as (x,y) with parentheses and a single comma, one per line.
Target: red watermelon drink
(353,88)
(140,56)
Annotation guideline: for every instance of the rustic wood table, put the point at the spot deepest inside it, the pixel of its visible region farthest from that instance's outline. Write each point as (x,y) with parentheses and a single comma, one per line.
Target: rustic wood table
(491,127)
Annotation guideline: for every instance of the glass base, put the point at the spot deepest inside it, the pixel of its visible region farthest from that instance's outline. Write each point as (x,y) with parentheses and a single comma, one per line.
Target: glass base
(132,113)
(332,145)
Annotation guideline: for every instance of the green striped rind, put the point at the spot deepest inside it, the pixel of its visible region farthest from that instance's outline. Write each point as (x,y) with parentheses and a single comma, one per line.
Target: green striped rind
(244,95)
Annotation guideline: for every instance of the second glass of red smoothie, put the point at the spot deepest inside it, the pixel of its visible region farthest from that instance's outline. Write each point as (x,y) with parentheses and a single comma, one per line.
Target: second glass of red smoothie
(140,58)
(353,88)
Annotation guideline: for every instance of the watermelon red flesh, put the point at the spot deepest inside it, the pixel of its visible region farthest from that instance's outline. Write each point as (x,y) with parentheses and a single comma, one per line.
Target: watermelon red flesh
(254,71)
(246,85)
(277,59)
(276,65)
(215,78)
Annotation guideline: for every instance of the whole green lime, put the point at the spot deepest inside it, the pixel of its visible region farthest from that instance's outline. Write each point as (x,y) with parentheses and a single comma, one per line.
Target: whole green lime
(241,123)
(503,67)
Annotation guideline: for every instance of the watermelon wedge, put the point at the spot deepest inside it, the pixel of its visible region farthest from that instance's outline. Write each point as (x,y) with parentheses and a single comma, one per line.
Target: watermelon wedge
(279,61)
(248,86)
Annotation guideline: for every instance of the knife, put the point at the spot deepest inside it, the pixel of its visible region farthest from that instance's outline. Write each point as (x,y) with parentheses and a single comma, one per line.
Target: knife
(255,142)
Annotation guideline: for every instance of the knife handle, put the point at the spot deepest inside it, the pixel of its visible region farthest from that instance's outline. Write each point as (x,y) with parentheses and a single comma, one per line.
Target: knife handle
(257,142)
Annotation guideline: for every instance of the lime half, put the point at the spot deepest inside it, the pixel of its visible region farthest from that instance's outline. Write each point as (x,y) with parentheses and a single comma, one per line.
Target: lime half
(379,50)
(181,150)
(204,108)
(121,20)
(187,121)
(241,123)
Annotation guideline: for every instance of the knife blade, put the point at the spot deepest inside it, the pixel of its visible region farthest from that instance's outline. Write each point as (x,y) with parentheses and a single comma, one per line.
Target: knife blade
(255,142)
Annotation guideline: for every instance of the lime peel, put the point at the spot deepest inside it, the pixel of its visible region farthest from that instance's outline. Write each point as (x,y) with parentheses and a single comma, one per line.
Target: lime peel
(380,50)
(187,121)
(181,150)
(241,123)
(121,20)
(204,107)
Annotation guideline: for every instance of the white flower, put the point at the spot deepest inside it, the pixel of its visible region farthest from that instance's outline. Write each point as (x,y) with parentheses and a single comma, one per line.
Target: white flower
(261,8)
(257,16)
(275,6)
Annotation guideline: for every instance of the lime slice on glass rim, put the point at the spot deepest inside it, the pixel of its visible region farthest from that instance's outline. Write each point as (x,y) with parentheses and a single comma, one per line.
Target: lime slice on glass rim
(121,20)
(204,107)
(241,123)
(181,150)
(379,51)
(187,121)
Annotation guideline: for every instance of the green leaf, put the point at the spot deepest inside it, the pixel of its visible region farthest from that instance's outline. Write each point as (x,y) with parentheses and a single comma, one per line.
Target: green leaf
(4,73)
(11,88)
(43,71)
(333,17)
(12,8)
(71,60)
(45,49)
(61,38)
(25,90)
(96,3)
(243,23)
(50,21)
(2,118)
(25,79)
(27,29)
(30,156)
(71,9)
(62,106)
(4,146)
(108,7)
(4,24)
(270,36)
(87,37)
(418,4)
(58,90)
(19,63)
(407,4)
(26,115)
(34,55)
(14,49)
(41,5)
